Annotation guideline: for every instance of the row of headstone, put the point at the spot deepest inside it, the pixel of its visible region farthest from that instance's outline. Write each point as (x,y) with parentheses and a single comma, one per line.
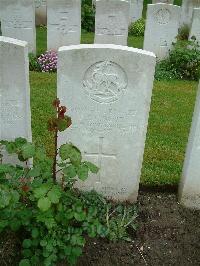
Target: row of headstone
(108,95)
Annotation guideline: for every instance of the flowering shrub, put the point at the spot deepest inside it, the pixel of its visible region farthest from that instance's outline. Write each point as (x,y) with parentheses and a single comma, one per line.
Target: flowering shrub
(48,61)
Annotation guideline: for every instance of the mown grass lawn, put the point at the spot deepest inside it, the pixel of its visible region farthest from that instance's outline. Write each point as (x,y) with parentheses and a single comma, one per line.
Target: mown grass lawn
(169,122)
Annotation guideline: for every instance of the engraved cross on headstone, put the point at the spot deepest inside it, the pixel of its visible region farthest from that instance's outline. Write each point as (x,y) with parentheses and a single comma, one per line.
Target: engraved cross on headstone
(100,155)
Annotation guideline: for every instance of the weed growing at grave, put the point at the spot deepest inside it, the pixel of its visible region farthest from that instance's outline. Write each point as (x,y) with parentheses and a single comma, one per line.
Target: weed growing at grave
(183,62)
(51,215)
(137,28)
(183,33)
(48,61)
(118,219)
(33,63)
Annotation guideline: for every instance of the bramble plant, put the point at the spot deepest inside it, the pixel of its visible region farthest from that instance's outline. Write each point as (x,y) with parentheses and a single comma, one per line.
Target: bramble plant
(51,214)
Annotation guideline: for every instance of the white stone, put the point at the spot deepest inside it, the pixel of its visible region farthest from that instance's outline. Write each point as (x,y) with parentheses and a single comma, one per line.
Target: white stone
(18,21)
(107,90)
(163,1)
(15,114)
(195,29)
(111,21)
(136,8)
(189,190)
(161,28)
(40,12)
(63,23)
(187,11)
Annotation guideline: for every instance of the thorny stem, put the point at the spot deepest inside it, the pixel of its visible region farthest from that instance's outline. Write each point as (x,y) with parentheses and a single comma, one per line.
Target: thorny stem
(55,154)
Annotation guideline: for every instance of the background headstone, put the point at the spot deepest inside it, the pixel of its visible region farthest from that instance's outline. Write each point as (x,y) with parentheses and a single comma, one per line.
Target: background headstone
(136,8)
(107,90)
(40,12)
(187,11)
(163,1)
(161,28)
(111,21)
(63,23)
(18,21)
(195,29)
(15,114)
(189,190)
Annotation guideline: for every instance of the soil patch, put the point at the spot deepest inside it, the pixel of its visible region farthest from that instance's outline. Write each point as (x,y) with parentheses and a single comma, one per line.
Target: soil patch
(168,234)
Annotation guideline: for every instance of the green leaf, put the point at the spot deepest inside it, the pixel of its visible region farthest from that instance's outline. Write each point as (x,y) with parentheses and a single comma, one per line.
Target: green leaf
(70,171)
(25,262)
(28,150)
(20,142)
(34,172)
(76,251)
(54,194)
(27,243)
(11,147)
(44,204)
(41,191)
(82,172)
(43,243)
(92,167)
(80,216)
(5,198)
(69,151)
(35,233)
(15,225)
(63,123)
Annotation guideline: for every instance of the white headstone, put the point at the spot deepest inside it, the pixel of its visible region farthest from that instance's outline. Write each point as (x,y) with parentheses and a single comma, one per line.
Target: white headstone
(63,23)
(195,29)
(18,21)
(111,21)
(163,1)
(161,28)
(15,114)
(189,190)
(187,11)
(40,12)
(107,90)
(136,8)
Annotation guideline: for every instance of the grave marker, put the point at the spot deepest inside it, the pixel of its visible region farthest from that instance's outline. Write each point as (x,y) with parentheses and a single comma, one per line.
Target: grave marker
(107,90)
(161,28)
(18,21)
(136,8)
(187,11)
(111,21)
(15,114)
(163,1)
(189,189)
(63,23)
(195,29)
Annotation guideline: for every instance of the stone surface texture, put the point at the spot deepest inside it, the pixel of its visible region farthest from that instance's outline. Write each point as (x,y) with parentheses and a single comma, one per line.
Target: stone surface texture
(161,28)
(195,29)
(63,23)
(189,190)
(107,90)
(136,8)
(111,21)
(15,114)
(18,21)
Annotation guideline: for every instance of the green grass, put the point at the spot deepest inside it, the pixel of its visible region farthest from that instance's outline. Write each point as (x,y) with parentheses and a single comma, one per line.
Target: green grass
(169,124)
(136,42)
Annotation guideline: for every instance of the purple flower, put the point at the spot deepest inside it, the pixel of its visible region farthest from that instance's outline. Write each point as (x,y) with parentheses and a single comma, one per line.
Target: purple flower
(48,61)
